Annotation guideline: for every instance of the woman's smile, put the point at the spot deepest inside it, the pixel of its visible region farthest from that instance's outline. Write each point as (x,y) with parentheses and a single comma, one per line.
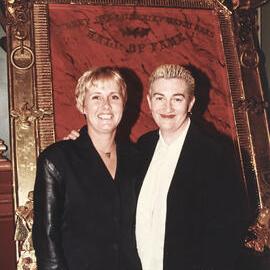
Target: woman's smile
(105,116)
(167,116)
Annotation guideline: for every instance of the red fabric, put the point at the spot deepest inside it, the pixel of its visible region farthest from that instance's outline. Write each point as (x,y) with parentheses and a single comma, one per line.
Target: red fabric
(138,39)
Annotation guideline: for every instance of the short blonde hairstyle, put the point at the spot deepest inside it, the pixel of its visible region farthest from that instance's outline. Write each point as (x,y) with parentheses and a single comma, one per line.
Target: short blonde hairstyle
(171,71)
(97,74)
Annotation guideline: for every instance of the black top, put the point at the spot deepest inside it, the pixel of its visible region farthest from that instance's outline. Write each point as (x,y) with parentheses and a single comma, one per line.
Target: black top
(83,219)
(206,212)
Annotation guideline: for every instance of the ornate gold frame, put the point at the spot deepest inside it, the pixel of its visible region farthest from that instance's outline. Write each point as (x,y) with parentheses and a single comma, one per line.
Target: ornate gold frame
(31,102)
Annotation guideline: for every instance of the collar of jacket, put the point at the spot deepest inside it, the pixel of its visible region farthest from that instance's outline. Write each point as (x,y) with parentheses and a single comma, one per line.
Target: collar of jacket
(85,143)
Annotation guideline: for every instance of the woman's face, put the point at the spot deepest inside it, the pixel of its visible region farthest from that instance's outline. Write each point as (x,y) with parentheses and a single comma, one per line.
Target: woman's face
(170,102)
(103,106)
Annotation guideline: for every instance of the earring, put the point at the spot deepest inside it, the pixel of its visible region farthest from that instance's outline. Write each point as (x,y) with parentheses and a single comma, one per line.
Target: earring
(189,114)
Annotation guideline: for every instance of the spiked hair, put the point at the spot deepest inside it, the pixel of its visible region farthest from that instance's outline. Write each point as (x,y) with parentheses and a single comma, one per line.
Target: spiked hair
(171,71)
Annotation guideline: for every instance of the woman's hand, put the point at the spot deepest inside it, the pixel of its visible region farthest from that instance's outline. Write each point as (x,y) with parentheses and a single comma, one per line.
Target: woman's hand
(73,135)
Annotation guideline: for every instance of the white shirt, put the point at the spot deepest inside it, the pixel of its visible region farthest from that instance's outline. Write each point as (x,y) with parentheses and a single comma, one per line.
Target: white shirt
(152,202)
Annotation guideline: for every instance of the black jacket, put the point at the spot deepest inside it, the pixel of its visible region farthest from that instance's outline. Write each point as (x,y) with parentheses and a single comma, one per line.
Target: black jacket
(83,219)
(206,215)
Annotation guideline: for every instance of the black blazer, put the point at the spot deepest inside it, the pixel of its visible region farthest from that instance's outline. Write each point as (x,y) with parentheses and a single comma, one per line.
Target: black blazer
(83,219)
(205,218)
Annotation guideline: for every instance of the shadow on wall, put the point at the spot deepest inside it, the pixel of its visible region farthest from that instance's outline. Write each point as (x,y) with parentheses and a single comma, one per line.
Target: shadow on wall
(133,105)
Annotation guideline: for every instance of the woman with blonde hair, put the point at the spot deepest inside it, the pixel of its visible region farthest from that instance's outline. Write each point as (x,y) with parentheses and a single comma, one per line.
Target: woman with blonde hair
(84,196)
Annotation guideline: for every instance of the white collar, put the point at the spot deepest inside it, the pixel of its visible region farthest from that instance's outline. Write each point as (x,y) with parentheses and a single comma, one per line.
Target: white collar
(177,140)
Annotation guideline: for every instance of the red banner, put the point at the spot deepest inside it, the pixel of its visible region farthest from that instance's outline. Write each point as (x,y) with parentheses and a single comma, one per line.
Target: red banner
(137,40)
